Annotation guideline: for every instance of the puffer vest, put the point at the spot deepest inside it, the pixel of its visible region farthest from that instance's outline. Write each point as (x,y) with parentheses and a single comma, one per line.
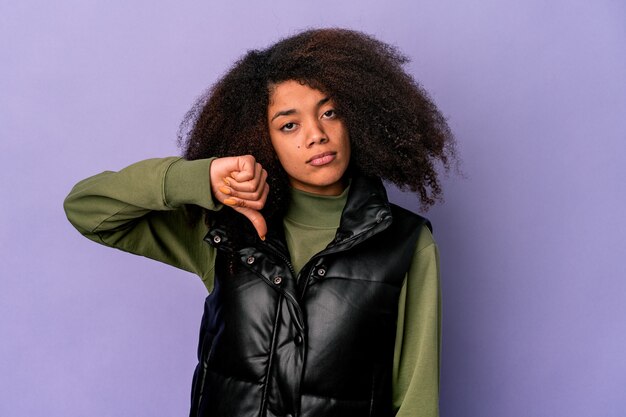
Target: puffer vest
(320,344)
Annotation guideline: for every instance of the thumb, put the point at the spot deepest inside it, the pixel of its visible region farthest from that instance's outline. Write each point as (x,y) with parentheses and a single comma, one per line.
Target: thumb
(256,218)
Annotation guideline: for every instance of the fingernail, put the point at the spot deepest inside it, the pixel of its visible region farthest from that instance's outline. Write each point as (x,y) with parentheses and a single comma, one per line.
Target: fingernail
(230,202)
(226,181)
(225,190)
(262,238)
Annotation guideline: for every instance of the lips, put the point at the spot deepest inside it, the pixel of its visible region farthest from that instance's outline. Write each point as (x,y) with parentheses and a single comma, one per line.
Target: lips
(322,158)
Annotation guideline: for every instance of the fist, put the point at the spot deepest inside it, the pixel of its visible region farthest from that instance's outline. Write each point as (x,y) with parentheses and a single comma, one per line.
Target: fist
(241,183)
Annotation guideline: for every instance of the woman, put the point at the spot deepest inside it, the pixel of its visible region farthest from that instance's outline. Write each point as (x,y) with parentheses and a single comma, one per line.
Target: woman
(324,297)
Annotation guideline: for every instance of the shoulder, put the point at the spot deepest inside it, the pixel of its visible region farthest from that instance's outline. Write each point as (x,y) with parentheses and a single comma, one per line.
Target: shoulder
(406,219)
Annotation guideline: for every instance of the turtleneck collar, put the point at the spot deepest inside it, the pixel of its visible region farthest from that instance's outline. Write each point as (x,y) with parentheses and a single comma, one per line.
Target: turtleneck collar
(314,210)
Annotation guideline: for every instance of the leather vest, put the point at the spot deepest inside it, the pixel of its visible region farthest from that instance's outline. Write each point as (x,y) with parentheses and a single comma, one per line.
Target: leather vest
(317,344)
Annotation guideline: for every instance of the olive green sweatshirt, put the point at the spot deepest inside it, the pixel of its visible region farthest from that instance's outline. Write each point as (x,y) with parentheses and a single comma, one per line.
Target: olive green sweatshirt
(139,210)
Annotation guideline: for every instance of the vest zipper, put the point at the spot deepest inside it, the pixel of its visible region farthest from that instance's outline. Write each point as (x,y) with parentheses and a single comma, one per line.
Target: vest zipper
(270,365)
(284,258)
(299,315)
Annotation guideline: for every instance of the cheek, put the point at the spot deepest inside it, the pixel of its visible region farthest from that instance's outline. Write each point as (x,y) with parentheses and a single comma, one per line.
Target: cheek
(282,150)
(346,142)
(342,132)
(286,155)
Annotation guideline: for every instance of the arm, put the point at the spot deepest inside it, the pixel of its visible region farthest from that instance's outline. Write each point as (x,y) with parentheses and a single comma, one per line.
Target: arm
(418,336)
(139,210)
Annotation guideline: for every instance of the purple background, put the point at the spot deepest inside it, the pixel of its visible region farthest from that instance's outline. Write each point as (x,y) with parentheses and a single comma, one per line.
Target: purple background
(532,239)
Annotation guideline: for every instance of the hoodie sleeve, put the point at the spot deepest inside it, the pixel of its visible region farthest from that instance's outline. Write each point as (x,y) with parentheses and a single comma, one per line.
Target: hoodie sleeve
(140,209)
(416,363)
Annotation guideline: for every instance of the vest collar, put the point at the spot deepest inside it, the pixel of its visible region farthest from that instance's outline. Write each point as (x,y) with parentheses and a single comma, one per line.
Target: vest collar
(366,213)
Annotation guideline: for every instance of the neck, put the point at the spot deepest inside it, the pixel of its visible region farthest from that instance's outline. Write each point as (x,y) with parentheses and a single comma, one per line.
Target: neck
(316,210)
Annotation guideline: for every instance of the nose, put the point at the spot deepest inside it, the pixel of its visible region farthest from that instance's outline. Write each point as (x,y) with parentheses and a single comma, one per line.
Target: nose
(315,135)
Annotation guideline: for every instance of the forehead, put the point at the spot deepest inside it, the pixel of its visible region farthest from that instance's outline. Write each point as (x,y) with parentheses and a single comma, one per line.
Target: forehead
(293,94)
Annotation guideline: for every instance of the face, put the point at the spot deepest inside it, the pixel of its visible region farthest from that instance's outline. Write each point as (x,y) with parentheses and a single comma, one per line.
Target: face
(309,137)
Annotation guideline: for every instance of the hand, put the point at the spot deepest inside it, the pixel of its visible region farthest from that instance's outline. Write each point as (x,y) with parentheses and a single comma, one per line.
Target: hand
(241,183)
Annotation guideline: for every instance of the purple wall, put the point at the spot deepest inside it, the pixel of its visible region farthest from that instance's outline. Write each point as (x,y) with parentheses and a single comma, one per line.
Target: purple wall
(532,239)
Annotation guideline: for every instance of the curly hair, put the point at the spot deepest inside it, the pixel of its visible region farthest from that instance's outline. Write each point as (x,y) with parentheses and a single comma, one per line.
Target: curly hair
(396,131)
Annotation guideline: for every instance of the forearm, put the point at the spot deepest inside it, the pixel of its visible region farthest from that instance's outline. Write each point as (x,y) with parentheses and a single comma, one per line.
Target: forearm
(111,200)
(139,210)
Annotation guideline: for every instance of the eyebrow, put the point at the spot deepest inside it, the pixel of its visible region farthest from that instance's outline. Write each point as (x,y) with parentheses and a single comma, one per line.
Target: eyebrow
(293,111)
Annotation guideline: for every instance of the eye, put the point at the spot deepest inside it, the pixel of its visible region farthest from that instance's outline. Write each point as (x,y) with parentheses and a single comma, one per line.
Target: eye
(287,127)
(329,114)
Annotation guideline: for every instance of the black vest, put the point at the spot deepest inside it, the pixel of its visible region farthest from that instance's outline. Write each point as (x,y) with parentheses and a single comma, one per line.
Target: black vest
(317,345)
